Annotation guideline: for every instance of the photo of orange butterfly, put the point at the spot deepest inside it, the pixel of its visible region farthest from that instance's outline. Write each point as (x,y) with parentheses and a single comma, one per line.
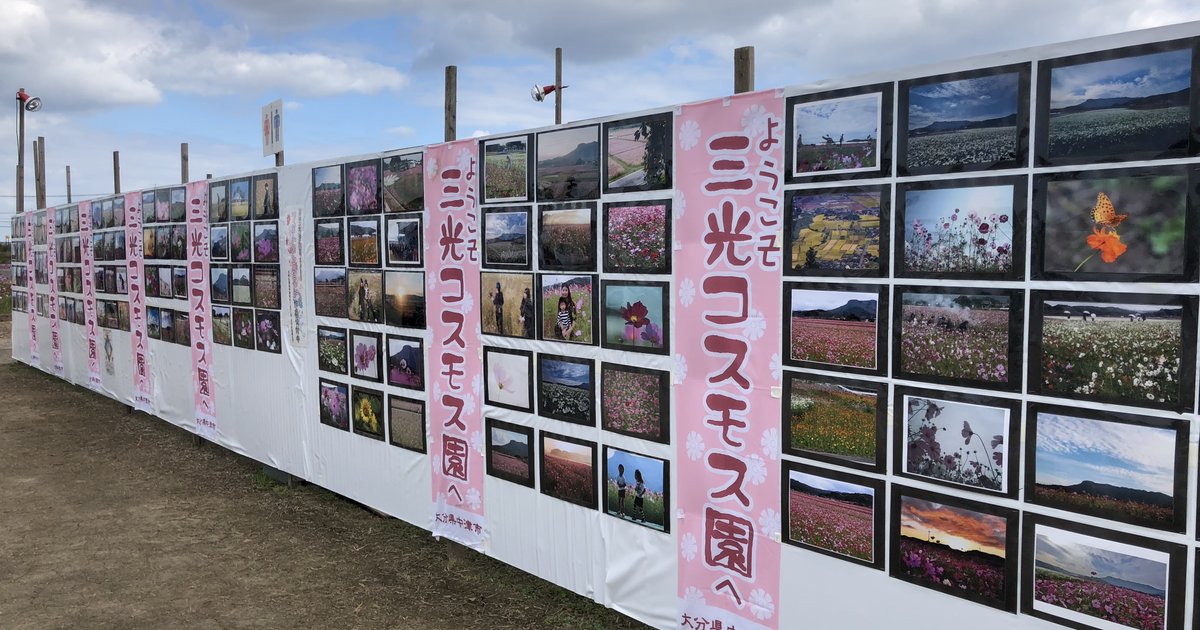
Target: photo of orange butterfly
(1104,214)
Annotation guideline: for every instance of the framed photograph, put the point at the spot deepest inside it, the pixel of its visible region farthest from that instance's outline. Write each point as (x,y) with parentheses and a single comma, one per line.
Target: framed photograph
(508,382)
(106,214)
(166,282)
(153,320)
(577,291)
(334,404)
(218,240)
(110,281)
(268,331)
(505,167)
(149,244)
(118,204)
(266,241)
(838,231)
(568,164)
(327,197)
(958,440)
(122,281)
(364,242)
(1134,103)
(635,401)
(842,134)
(239,200)
(150,279)
(162,245)
(1124,348)
(568,469)
(836,420)
(509,451)
(959,336)
(973,229)
(166,321)
(149,209)
(1087,577)
(243,328)
(332,349)
(833,513)
(567,237)
(512,310)
(406,362)
(404,302)
(239,277)
(266,286)
(637,488)
(178,242)
(178,204)
(955,546)
(406,423)
(329,289)
(366,352)
(403,183)
(966,121)
(330,241)
(839,327)
(218,203)
(506,237)
(122,316)
(178,281)
(362,189)
(637,236)
(162,206)
(364,296)
(265,202)
(240,241)
(366,412)
(1126,468)
(636,316)
(403,240)
(1121,225)
(567,389)
(637,154)
(222,325)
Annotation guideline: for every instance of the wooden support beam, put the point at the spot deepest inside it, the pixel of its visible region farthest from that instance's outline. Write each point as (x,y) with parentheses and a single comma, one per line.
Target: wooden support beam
(278,159)
(39,168)
(743,69)
(116,172)
(183,163)
(451,103)
(68,183)
(558,86)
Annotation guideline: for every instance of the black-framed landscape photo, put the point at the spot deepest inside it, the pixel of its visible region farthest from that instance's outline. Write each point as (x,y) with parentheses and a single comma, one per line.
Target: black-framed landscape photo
(362,188)
(636,315)
(570,294)
(364,296)
(1118,225)
(406,423)
(955,546)
(567,237)
(239,201)
(958,336)
(366,352)
(178,209)
(1134,349)
(1088,577)
(509,451)
(965,441)
(635,401)
(637,236)
(366,412)
(222,325)
(1123,467)
(839,327)
(265,201)
(836,420)
(266,241)
(1133,103)
(364,233)
(330,241)
(329,292)
(838,231)
(834,513)
(406,362)
(568,164)
(511,304)
(218,242)
(841,134)
(404,299)
(566,388)
(402,241)
(966,121)
(149,213)
(636,488)
(266,286)
(568,469)
(973,229)
(507,235)
(333,402)
(219,276)
(504,164)
(403,183)
(637,154)
(508,380)
(218,203)
(327,194)
(332,349)
(241,281)
(268,331)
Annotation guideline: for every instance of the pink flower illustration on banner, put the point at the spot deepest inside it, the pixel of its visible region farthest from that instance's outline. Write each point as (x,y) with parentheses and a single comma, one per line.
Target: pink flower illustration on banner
(761,604)
(689,134)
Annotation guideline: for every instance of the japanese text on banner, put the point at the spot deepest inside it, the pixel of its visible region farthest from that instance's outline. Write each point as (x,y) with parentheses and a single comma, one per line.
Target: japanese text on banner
(88,256)
(142,388)
(200,311)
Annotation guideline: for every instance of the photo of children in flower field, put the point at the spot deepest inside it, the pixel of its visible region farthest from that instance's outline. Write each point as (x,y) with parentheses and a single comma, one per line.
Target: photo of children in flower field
(965,230)
(510,452)
(837,420)
(837,135)
(637,237)
(403,183)
(636,316)
(327,195)
(636,488)
(506,169)
(955,442)
(635,401)
(508,378)
(834,513)
(510,308)
(334,402)
(366,409)
(567,308)
(567,238)
(956,336)
(406,423)
(837,326)
(568,470)
(364,296)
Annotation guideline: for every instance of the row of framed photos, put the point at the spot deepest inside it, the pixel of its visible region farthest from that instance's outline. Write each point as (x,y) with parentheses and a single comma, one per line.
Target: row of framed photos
(239,285)
(392,184)
(362,410)
(19,275)
(1074,574)
(355,241)
(20,303)
(1117,225)
(164,205)
(243,242)
(1135,103)
(395,298)
(247,328)
(1126,348)
(398,360)
(162,242)
(240,199)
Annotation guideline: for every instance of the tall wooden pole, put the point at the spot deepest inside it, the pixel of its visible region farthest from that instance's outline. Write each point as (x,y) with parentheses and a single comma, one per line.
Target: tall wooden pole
(278,159)
(743,69)
(183,163)
(68,183)
(116,172)
(39,171)
(20,154)
(558,86)
(451,103)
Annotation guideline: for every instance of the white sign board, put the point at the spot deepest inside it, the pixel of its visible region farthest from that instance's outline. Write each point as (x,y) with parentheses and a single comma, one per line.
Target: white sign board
(272,127)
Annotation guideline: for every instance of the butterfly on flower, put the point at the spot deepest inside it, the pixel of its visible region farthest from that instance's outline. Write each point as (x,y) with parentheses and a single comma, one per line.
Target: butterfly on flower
(1104,214)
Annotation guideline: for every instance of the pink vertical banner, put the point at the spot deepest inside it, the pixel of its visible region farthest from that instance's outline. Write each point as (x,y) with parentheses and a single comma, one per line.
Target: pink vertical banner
(728,273)
(200,307)
(35,355)
(452,290)
(52,271)
(88,258)
(142,388)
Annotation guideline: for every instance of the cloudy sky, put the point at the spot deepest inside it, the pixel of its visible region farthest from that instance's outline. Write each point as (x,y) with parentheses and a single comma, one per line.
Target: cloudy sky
(356,76)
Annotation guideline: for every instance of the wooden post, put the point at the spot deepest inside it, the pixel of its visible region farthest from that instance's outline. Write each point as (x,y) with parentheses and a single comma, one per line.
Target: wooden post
(743,69)
(20,155)
(39,171)
(451,103)
(68,183)
(278,159)
(116,172)
(558,86)
(208,176)
(183,163)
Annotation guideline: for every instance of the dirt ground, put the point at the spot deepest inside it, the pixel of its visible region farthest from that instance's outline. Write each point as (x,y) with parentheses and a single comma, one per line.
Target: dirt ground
(116,520)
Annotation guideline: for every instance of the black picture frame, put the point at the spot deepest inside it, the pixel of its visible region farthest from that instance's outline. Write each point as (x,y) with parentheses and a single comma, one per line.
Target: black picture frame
(239,200)
(636,503)
(148,210)
(548,329)
(851,316)
(490,172)
(556,398)
(268,331)
(1122,504)
(509,289)
(847,202)
(330,358)
(414,250)
(555,256)
(568,164)
(867,451)
(643,323)
(364,261)
(330,419)
(497,251)
(216,296)
(219,243)
(967,237)
(406,382)
(398,309)
(364,202)
(241,317)
(325,247)
(505,380)
(1020,117)
(328,191)
(267,280)
(657,159)
(659,428)
(616,244)
(330,292)
(403,182)
(241,242)
(357,394)
(218,202)
(375,376)
(222,325)
(263,234)
(372,311)
(392,411)
(837,495)
(885,96)
(491,449)
(547,482)
(264,202)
